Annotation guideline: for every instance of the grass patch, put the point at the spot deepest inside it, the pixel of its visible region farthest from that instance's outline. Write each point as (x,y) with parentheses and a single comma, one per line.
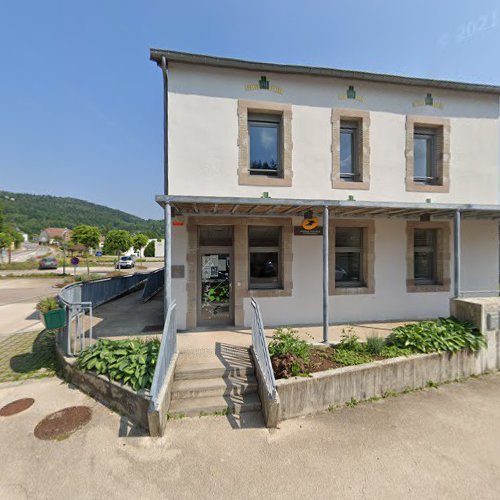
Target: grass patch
(28,355)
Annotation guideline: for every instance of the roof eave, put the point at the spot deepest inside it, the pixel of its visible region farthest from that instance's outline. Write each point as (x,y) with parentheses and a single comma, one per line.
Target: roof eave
(224,62)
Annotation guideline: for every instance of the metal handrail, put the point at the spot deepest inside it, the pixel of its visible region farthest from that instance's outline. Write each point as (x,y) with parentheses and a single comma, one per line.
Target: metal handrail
(154,284)
(168,348)
(82,297)
(262,352)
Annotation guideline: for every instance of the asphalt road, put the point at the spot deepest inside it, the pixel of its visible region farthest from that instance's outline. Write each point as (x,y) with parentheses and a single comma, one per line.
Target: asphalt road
(18,298)
(436,443)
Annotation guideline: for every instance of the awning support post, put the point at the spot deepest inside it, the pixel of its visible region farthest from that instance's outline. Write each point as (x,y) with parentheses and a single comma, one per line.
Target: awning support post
(325,276)
(457,253)
(168,258)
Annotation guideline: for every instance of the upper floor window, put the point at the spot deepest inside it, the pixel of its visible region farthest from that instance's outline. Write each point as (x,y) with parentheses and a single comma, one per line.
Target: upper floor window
(424,156)
(264,143)
(264,246)
(264,132)
(349,149)
(427,154)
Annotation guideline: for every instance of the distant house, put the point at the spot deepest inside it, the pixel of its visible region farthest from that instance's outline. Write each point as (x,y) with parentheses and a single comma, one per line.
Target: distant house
(51,235)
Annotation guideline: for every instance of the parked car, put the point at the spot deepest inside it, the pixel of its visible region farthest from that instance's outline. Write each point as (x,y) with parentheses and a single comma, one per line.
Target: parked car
(125,262)
(48,263)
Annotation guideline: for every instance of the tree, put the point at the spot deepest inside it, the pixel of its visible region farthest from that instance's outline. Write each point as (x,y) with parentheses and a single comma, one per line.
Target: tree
(87,236)
(6,241)
(139,241)
(117,241)
(149,251)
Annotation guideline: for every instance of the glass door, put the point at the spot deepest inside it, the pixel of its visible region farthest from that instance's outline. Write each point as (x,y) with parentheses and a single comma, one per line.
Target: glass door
(215,301)
(215,288)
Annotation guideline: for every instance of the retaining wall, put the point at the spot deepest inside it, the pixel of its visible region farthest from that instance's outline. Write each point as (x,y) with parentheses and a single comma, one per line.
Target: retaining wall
(305,395)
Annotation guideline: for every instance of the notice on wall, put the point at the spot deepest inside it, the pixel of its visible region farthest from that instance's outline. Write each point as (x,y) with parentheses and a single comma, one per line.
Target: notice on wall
(209,266)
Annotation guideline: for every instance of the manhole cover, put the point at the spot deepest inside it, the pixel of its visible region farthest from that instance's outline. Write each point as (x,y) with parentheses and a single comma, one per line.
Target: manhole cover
(63,423)
(16,406)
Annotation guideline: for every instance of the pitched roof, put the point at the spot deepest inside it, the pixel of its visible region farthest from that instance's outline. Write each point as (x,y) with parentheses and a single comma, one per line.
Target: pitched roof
(58,232)
(225,62)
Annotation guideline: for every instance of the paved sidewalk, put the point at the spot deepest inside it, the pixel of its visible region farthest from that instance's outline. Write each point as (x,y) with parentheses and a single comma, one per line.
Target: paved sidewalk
(18,298)
(436,443)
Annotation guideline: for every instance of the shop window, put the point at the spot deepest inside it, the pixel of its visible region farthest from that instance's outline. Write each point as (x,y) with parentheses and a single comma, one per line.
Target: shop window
(264,245)
(349,257)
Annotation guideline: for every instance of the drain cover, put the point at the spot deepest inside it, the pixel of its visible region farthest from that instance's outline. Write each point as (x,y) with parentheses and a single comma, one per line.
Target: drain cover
(63,423)
(16,407)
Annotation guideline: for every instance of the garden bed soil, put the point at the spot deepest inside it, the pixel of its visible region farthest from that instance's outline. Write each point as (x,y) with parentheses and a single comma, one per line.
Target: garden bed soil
(320,359)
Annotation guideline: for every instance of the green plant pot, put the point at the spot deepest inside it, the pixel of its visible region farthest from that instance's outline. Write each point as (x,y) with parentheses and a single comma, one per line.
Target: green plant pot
(55,319)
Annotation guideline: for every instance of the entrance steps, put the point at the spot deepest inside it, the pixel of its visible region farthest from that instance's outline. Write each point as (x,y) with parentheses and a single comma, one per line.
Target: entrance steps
(220,381)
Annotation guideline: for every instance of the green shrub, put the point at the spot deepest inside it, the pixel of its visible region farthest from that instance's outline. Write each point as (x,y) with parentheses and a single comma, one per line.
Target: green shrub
(348,357)
(286,341)
(350,342)
(392,351)
(374,345)
(149,251)
(130,362)
(47,304)
(443,334)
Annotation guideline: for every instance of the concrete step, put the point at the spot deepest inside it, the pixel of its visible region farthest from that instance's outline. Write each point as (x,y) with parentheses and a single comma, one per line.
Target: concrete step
(194,407)
(217,386)
(197,371)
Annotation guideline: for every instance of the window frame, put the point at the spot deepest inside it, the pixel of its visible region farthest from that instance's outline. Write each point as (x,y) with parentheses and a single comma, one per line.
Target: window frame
(359,250)
(440,127)
(266,120)
(432,249)
(362,156)
(245,178)
(266,249)
(367,258)
(442,279)
(350,127)
(431,168)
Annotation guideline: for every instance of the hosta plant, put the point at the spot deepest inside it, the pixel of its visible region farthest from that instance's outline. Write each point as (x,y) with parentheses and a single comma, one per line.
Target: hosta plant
(131,362)
(443,334)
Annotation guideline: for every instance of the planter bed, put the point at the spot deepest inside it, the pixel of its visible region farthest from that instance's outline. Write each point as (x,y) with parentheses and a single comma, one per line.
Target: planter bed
(305,395)
(117,397)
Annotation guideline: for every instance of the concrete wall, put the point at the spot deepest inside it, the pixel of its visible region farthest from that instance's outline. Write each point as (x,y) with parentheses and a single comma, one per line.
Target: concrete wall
(390,300)
(203,135)
(302,396)
(119,398)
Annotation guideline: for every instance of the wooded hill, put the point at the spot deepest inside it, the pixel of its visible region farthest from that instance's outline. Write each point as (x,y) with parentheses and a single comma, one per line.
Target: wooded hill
(31,213)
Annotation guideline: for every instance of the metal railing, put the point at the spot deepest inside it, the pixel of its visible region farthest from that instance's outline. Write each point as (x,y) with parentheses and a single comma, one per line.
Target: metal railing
(168,348)
(261,351)
(155,283)
(79,300)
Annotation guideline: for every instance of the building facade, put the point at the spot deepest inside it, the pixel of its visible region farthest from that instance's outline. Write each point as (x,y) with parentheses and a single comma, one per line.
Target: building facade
(320,190)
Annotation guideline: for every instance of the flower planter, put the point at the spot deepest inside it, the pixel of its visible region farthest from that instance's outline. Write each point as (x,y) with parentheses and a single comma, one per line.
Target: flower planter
(54,319)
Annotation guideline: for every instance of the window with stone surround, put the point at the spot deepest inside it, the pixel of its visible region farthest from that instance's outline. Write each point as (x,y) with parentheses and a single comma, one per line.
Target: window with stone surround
(427,154)
(351,259)
(265,143)
(350,149)
(428,256)
(264,257)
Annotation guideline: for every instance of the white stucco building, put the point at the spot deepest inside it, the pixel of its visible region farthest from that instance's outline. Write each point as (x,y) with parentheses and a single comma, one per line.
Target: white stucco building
(261,157)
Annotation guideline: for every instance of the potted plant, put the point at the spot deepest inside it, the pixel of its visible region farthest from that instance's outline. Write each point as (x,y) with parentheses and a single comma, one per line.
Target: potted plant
(52,314)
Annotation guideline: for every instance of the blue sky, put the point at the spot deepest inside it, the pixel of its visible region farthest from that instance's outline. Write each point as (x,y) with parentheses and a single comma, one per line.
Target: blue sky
(81,105)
